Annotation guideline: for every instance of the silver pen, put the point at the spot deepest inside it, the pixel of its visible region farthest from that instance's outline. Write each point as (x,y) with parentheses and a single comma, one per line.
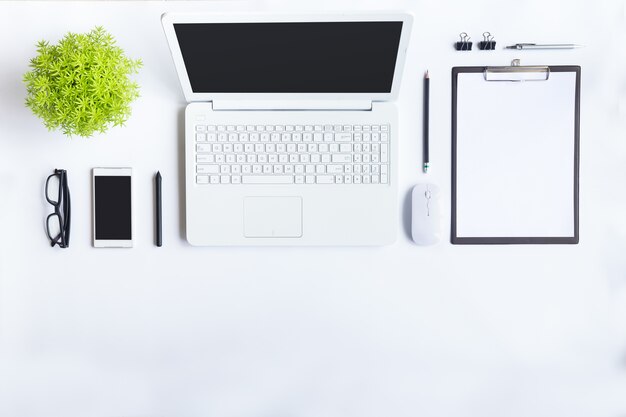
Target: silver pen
(544,46)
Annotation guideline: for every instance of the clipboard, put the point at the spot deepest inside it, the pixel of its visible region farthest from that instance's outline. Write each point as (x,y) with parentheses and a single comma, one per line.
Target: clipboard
(515,154)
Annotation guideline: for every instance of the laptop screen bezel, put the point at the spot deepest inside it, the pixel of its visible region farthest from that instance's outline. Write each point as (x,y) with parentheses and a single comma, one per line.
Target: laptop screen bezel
(169,19)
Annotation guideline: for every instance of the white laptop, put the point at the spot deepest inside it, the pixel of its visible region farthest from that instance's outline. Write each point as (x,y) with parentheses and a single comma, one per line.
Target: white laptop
(291,133)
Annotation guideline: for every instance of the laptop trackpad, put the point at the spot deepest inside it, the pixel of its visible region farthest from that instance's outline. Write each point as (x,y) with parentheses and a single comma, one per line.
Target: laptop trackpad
(272,216)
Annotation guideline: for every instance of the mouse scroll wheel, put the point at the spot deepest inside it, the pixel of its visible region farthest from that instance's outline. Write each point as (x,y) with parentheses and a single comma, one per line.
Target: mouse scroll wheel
(427,194)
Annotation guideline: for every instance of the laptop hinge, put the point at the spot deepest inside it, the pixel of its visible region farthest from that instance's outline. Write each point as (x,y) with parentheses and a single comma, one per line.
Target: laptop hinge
(292,105)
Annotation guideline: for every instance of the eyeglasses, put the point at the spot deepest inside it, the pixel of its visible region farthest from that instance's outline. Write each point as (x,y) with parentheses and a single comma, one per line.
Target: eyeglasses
(58,223)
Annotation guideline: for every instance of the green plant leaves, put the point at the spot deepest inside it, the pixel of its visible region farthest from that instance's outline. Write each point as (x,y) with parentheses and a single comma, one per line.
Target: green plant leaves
(81,85)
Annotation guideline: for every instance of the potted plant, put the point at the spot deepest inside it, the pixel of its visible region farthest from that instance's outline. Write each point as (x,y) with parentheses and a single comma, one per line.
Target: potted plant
(82,85)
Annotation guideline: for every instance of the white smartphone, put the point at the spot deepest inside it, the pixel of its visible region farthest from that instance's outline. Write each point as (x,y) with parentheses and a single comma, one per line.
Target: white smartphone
(112,207)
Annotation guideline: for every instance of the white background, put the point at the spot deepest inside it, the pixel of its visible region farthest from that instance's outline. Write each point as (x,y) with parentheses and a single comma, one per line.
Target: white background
(480,331)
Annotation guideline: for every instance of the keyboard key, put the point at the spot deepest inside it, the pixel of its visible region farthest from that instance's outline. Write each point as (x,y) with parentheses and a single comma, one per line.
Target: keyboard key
(343,137)
(205,158)
(203,147)
(214,179)
(235,179)
(383,178)
(200,137)
(299,179)
(202,179)
(267,179)
(345,147)
(207,169)
(325,179)
(334,169)
(384,156)
(341,158)
(200,128)
(310,179)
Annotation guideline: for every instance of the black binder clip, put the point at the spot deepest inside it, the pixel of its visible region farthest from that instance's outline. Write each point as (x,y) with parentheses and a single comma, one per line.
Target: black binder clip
(464,44)
(487,44)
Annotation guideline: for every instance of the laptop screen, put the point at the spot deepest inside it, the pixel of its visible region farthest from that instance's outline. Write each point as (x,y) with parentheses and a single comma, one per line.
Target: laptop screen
(294,57)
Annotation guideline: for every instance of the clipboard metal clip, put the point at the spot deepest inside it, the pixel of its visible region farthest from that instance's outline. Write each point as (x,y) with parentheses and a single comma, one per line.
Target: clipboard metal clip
(517,73)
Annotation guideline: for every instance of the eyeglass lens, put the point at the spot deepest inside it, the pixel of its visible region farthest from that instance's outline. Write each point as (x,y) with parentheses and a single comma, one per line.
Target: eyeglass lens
(53,189)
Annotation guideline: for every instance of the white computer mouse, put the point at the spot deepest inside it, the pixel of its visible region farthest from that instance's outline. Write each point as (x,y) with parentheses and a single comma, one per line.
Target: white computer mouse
(426,218)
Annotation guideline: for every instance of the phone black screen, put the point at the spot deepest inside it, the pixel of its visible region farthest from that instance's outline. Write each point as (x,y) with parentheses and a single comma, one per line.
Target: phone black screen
(112,207)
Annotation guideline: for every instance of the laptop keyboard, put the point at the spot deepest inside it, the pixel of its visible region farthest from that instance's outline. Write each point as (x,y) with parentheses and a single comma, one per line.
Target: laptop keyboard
(292,154)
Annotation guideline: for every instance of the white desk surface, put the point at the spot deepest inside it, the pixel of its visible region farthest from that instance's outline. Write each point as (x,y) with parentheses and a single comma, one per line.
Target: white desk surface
(465,331)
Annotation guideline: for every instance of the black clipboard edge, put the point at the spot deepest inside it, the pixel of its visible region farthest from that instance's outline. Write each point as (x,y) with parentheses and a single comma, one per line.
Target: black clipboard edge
(454,239)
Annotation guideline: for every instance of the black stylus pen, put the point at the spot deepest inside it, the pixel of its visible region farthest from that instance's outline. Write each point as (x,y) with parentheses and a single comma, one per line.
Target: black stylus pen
(159,214)
(426,117)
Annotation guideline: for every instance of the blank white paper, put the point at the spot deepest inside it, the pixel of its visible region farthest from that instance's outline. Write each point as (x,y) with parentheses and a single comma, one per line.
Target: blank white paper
(515,157)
